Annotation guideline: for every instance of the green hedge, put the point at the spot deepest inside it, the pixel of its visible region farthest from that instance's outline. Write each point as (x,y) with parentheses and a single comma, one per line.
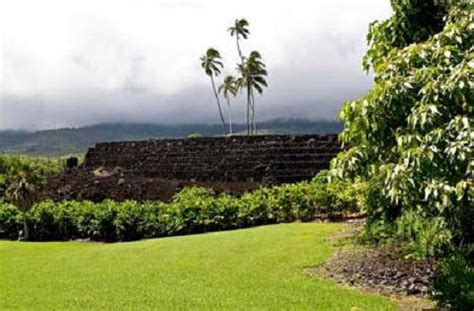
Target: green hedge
(193,210)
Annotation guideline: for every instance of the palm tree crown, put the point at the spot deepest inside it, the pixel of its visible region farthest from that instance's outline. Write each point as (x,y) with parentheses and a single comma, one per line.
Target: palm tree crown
(211,62)
(228,87)
(252,77)
(239,28)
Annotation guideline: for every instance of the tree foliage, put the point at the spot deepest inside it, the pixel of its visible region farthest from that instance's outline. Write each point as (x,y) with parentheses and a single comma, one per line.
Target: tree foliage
(411,137)
(38,169)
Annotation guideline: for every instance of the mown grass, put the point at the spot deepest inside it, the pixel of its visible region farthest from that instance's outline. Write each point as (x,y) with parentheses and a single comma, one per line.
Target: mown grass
(257,268)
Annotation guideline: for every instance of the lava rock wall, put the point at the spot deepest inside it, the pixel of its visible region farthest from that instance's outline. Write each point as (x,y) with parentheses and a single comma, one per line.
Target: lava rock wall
(156,169)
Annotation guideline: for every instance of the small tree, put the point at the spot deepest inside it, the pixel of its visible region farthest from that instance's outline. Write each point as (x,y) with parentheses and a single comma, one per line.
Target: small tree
(212,65)
(22,193)
(229,87)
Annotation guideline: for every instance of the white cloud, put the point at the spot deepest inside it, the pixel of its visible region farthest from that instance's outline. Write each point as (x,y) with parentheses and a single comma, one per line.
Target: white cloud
(65,52)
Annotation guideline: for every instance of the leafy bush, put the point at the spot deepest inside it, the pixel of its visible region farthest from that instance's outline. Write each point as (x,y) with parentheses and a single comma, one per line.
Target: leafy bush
(454,284)
(10,221)
(192,210)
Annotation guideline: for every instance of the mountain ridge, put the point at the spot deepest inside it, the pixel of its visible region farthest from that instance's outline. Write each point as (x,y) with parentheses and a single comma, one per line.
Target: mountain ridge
(64,141)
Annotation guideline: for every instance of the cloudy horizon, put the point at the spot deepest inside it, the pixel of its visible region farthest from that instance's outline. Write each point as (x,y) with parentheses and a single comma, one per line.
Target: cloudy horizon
(74,63)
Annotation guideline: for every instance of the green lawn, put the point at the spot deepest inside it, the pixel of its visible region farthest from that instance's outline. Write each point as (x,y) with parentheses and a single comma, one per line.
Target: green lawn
(258,268)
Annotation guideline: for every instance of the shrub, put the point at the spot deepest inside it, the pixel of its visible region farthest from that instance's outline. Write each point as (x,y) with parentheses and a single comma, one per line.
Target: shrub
(454,284)
(10,221)
(335,195)
(193,210)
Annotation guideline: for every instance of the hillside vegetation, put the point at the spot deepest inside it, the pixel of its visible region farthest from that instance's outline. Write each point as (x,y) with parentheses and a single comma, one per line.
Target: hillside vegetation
(77,140)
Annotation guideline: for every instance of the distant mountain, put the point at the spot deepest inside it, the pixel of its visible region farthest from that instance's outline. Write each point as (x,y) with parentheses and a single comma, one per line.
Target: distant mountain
(76,140)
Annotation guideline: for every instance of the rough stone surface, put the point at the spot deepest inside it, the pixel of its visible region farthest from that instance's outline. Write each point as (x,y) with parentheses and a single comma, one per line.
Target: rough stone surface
(384,270)
(156,169)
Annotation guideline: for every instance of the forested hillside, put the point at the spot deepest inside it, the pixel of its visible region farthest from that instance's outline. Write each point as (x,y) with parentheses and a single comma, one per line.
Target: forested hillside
(77,140)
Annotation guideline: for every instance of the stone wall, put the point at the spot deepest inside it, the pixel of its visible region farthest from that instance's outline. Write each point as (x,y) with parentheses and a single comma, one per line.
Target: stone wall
(241,158)
(156,169)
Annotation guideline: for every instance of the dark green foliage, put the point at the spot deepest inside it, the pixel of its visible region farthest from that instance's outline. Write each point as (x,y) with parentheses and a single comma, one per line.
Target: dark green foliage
(10,221)
(192,210)
(454,284)
(411,135)
(38,169)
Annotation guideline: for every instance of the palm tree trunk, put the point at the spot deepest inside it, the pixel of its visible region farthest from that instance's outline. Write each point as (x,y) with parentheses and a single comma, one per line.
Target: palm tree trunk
(248,111)
(254,117)
(239,50)
(230,116)
(219,105)
(26,234)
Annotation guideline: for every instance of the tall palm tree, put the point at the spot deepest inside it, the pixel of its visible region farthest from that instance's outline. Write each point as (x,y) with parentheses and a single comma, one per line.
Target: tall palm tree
(239,29)
(212,64)
(22,193)
(252,77)
(227,88)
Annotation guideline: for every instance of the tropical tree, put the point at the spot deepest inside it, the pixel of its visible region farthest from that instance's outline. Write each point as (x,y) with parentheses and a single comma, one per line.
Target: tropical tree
(23,193)
(227,88)
(239,30)
(252,77)
(411,137)
(212,65)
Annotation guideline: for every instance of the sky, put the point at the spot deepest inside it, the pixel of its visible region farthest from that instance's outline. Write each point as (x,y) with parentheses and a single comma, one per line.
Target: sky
(68,63)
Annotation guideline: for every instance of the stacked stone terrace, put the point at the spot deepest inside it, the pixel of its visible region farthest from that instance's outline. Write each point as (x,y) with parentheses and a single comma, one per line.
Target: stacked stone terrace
(157,169)
(263,159)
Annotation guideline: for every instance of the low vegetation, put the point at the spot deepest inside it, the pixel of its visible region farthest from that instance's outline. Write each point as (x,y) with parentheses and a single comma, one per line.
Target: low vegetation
(259,268)
(193,210)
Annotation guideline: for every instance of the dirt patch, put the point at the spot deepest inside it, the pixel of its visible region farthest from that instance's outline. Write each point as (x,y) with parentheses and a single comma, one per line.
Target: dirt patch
(383,271)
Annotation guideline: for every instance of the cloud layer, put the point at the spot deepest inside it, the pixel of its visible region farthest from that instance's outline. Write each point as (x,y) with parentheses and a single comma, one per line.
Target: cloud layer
(72,63)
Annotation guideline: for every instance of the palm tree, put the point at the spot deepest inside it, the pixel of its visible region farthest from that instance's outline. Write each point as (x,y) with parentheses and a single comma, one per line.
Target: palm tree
(239,29)
(212,64)
(22,193)
(252,77)
(229,87)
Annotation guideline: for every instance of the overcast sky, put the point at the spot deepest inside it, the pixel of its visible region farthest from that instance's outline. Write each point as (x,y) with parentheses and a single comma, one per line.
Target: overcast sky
(73,63)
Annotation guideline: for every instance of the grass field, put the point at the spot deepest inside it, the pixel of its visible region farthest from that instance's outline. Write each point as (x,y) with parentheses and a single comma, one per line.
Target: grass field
(258,268)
